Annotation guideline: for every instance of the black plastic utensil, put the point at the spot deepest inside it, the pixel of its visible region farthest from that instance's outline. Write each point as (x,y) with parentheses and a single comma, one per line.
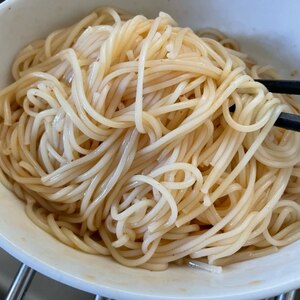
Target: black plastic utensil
(292,87)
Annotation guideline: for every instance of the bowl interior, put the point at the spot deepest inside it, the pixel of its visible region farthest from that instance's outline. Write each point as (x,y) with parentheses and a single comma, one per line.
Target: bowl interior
(265,29)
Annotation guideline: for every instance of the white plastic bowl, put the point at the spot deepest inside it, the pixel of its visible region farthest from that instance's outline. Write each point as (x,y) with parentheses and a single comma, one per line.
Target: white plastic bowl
(269,31)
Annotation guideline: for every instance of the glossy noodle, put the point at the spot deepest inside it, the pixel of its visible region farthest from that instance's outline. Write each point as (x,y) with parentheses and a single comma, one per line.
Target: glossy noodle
(118,136)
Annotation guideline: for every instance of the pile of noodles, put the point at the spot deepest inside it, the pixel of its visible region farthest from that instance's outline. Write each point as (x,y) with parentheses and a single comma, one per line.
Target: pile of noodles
(118,136)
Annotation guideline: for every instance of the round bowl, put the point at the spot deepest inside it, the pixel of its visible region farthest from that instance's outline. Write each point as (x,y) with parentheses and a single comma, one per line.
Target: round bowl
(266,30)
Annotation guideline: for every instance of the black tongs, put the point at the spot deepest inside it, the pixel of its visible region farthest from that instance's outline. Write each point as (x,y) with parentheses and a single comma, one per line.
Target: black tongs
(291,87)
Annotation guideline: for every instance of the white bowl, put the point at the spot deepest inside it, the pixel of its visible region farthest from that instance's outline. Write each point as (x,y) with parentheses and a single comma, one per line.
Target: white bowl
(269,31)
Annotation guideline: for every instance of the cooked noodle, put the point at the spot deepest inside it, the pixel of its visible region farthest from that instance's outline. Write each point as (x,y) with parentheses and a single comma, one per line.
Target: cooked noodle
(118,136)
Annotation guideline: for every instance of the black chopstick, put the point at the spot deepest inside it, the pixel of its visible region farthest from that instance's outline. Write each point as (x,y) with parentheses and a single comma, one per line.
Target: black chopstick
(288,121)
(285,120)
(291,87)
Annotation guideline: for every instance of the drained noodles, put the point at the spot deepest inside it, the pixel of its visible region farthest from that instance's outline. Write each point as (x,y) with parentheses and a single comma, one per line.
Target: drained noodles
(117,134)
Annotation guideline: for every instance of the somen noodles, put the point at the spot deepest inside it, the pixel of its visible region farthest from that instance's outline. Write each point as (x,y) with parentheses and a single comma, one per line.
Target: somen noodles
(118,136)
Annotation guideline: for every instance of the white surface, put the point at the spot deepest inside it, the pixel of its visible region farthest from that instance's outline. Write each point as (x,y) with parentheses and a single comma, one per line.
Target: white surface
(267,29)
